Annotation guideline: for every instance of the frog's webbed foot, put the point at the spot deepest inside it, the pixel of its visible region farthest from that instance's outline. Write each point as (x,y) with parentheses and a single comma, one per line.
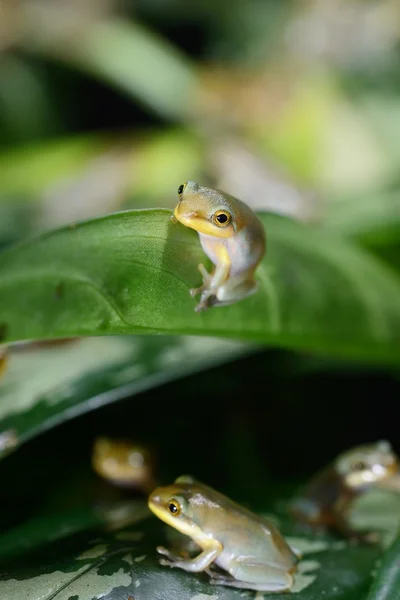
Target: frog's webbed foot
(206,302)
(170,559)
(206,282)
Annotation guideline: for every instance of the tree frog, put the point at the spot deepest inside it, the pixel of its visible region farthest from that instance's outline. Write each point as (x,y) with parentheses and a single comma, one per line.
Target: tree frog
(123,463)
(248,547)
(328,498)
(232,237)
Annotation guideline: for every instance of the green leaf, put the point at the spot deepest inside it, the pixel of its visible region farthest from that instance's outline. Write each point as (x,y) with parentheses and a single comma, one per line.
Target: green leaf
(131,272)
(125,563)
(373,220)
(45,530)
(387,581)
(46,386)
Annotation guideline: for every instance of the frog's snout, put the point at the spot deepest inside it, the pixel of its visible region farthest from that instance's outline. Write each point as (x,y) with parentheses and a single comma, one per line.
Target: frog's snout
(184,216)
(155,498)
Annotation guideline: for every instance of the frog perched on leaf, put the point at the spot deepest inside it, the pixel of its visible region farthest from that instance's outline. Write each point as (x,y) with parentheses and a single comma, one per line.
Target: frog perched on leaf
(232,237)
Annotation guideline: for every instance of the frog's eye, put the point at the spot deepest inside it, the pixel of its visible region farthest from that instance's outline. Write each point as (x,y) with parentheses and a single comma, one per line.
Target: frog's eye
(174,507)
(221,218)
(181,188)
(359,465)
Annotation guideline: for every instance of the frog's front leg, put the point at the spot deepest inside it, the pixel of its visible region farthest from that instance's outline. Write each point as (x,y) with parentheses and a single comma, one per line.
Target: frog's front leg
(206,281)
(194,565)
(212,283)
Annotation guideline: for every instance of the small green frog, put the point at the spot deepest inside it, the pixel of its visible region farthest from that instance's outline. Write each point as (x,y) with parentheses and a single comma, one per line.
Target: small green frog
(232,237)
(327,500)
(248,547)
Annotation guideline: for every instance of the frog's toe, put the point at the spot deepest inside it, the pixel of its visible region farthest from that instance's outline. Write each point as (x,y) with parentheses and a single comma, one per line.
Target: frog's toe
(205,300)
(203,305)
(163,551)
(214,576)
(166,563)
(195,291)
(204,273)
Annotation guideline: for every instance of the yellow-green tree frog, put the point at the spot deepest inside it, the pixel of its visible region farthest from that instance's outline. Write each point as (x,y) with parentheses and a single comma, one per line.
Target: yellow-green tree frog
(232,237)
(248,547)
(327,500)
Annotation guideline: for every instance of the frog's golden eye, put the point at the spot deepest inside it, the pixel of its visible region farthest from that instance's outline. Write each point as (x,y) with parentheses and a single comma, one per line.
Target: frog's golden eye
(174,507)
(221,218)
(181,188)
(359,465)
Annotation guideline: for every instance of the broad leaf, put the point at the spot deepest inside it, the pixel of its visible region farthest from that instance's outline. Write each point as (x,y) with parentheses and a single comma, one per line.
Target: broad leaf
(125,564)
(387,580)
(371,219)
(48,385)
(108,549)
(131,272)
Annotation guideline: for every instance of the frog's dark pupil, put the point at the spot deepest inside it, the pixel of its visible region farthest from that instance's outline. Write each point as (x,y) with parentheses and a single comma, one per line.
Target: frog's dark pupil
(222,218)
(173,508)
(180,189)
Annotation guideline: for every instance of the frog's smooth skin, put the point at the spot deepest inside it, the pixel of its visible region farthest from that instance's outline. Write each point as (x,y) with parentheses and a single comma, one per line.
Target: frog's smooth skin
(329,497)
(123,463)
(249,548)
(232,237)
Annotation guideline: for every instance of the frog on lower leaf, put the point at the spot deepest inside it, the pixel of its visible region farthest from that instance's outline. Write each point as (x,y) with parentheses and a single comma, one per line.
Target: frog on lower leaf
(249,550)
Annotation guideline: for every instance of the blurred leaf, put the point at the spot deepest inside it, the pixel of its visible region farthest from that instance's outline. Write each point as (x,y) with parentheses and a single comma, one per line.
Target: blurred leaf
(15,219)
(163,160)
(383,113)
(374,220)
(353,159)
(37,532)
(29,170)
(131,272)
(46,386)
(296,137)
(85,176)
(387,580)
(130,57)
(26,111)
